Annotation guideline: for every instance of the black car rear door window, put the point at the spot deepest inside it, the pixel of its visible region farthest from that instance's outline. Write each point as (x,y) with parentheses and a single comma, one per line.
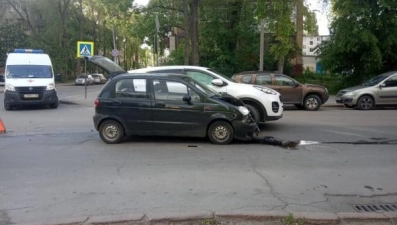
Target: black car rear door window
(131,88)
(172,90)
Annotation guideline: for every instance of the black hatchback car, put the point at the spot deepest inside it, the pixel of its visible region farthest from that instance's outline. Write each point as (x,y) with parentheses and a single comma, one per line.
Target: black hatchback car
(166,105)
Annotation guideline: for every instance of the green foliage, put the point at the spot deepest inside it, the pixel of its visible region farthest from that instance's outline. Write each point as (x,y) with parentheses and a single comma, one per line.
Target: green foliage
(363,38)
(12,37)
(333,82)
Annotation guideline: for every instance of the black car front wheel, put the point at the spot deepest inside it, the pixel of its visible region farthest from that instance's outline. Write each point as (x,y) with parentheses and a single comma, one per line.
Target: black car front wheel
(221,133)
(111,132)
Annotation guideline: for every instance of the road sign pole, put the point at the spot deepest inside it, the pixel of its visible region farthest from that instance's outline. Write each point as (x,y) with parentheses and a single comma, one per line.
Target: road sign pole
(86,76)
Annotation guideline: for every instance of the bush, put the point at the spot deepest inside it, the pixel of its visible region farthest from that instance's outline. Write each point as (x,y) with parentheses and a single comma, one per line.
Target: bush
(333,82)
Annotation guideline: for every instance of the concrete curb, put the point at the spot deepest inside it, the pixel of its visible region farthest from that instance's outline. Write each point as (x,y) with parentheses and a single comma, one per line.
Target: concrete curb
(232,217)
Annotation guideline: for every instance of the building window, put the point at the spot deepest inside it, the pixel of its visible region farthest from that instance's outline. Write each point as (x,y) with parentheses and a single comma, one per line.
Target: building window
(311,42)
(318,38)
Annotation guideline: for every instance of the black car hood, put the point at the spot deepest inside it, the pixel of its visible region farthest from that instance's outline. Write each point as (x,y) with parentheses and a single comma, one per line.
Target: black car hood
(229,99)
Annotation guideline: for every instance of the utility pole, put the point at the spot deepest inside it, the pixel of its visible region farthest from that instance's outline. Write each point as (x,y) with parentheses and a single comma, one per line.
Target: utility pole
(262,45)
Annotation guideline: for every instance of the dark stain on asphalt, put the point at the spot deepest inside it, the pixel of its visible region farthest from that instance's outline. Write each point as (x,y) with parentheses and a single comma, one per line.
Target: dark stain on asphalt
(369,187)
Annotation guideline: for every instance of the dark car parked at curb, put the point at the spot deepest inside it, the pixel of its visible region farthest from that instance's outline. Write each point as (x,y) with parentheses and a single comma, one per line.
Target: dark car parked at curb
(381,90)
(306,96)
(166,105)
(2,79)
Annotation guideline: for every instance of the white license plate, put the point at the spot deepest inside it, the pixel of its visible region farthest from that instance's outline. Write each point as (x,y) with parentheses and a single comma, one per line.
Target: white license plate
(31,95)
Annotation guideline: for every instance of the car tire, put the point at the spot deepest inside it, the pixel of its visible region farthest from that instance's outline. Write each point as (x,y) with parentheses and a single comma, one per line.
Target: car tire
(365,102)
(349,106)
(221,133)
(54,105)
(254,113)
(7,106)
(312,103)
(111,132)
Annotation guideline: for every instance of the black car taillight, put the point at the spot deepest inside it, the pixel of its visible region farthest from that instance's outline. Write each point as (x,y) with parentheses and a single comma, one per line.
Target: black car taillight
(97,102)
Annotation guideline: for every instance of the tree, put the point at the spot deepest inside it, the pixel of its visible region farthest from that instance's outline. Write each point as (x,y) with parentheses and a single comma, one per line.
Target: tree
(363,38)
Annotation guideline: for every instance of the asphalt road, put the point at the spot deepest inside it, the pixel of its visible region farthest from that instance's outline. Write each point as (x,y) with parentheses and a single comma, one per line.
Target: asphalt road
(54,165)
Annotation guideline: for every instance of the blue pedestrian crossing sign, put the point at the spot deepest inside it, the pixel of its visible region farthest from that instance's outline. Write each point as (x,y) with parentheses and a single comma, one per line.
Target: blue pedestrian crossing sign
(85,48)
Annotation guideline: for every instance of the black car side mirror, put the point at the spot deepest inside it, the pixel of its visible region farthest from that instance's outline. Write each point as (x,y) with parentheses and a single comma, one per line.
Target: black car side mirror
(187,98)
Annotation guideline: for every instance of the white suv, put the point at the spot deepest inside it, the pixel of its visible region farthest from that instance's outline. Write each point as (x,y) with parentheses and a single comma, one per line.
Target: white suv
(264,103)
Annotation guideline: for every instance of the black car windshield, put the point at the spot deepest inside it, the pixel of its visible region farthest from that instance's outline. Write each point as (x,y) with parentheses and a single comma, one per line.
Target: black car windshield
(375,80)
(29,71)
(223,76)
(82,76)
(200,86)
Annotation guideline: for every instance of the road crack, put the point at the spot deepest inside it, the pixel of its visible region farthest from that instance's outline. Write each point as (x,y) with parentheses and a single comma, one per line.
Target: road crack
(272,192)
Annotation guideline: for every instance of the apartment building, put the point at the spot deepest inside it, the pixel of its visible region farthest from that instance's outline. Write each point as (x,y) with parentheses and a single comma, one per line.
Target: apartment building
(309,55)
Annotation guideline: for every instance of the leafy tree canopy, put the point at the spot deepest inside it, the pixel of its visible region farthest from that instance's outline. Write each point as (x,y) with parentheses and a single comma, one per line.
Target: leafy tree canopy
(363,38)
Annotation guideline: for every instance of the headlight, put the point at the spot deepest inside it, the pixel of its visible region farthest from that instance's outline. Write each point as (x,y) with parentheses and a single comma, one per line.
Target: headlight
(9,87)
(266,90)
(243,110)
(50,87)
(350,93)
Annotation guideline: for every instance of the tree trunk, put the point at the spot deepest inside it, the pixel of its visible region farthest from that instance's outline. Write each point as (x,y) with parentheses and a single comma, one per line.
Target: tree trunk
(80,19)
(280,65)
(194,33)
(299,36)
(187,31)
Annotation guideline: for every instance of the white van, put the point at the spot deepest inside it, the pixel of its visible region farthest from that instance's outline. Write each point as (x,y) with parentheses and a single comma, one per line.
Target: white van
(29,79)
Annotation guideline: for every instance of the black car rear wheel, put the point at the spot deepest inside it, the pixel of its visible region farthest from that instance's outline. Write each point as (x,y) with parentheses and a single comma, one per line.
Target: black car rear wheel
(111,132)
(221,133)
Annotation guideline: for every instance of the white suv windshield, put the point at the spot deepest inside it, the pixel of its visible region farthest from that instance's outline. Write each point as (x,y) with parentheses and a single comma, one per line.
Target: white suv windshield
(29,71)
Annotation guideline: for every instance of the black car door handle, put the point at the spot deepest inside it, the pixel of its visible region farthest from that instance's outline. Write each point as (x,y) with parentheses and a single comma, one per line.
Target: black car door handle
(160,104)
(115,102)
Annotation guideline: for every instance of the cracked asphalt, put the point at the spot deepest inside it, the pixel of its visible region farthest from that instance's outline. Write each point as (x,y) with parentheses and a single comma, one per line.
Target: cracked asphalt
(53,165)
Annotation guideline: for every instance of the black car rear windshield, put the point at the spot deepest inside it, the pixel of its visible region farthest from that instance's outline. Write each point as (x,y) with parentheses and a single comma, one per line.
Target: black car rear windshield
(29,71)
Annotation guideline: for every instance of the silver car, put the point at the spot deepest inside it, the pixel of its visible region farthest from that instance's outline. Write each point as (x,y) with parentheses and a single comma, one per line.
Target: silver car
(378,91)
(80,80)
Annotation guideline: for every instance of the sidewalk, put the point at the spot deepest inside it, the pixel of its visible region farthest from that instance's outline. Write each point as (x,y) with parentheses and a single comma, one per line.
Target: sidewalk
(234,218)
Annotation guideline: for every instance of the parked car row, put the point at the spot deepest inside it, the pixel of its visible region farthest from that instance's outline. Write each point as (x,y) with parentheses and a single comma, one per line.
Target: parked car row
(200,102)
(91,79)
